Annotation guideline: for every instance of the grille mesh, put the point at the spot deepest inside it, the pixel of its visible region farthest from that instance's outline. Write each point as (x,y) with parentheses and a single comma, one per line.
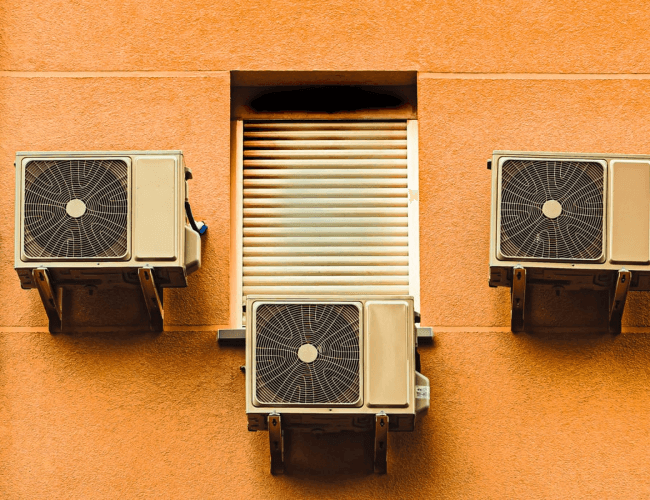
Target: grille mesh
(76,209)
(282,377)
(529,229)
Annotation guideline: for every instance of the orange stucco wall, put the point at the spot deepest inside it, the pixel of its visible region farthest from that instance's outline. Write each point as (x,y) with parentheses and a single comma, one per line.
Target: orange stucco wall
(138,415)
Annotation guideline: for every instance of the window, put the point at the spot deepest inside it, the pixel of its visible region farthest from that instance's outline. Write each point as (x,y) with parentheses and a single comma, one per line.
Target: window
(324,207)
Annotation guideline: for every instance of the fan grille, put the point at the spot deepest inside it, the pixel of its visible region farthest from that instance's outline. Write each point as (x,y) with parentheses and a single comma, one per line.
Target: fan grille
(325,371)
(76,209)
(552,209)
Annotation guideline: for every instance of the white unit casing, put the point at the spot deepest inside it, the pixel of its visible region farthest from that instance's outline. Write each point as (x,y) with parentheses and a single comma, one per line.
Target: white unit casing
(95,218)
(570,219)
(332,363)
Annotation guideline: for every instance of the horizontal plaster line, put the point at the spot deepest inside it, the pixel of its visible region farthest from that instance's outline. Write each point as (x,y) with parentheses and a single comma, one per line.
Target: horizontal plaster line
(469,329)
(214,328)
(99,329)
(115,74)
(534,76)
(505,329)
(23,329)
(226,74)
(195,328)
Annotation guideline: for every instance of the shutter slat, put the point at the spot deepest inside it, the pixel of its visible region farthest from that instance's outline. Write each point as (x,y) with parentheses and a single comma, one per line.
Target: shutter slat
(291,270)
(324,232)
(326,193)
(324,261)
(335,135)
(324,241)
(302,290)
(329,202)
(345,144)
(322,184)
(347,154)
(325,163)
(324,280)
(321,173)
(303,222)
(317,251)
(314,212)
(338,125)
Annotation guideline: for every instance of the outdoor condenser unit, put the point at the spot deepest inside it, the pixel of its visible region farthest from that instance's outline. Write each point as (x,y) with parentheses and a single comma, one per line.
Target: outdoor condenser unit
(571,220)
(332,363)
(101,219)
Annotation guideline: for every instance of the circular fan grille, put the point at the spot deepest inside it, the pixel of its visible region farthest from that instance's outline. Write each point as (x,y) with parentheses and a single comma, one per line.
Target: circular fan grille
(76,208)
(552,209)
(285,374)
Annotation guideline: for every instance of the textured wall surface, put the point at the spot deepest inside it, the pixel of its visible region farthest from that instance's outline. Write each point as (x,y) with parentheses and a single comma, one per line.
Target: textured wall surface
(455,35)
(140,415)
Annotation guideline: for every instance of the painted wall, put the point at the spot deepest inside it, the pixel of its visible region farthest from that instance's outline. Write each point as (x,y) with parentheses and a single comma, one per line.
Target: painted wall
(137,415)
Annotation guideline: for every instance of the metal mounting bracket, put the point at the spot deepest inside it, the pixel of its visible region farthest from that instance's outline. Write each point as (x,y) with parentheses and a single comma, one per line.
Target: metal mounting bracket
(518,298)
(381,442)
(152,298)
(52,301)
(276,443)
(617,302)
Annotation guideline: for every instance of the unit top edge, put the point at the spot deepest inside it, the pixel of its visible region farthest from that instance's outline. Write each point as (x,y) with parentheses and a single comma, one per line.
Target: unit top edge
(98,153)
(569,154)
(345,297)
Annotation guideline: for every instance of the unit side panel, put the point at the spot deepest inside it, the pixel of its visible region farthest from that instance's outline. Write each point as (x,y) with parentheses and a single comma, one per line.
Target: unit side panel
(630,211)
(155,213)
(387,353)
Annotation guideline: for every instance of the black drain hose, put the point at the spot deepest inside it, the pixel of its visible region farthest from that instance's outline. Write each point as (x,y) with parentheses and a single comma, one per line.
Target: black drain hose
(201,227)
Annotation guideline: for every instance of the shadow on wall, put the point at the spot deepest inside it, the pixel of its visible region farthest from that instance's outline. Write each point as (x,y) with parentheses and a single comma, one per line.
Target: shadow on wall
(321,457)
(553,310)
(116,307)
(325,99)
(308,454)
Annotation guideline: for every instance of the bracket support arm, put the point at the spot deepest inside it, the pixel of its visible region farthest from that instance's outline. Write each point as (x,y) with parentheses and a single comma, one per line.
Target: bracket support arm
(617,305)
(152,298)
(276,443)
(518,298)
(52,301)
(381,442)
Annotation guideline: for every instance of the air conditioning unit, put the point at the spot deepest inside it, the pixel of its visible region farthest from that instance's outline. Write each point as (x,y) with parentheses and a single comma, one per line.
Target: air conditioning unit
(570,220)
(103,219)
(337,363)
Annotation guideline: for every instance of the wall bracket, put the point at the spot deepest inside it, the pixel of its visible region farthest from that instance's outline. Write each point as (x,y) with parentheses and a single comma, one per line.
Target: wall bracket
(617,300)
(518,299)
(276,443)
(381,442)
(152,298)
(52,301)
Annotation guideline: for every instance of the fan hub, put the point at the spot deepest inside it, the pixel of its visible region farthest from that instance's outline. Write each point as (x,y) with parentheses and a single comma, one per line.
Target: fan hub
(552,209)
(75,208)
(307,353)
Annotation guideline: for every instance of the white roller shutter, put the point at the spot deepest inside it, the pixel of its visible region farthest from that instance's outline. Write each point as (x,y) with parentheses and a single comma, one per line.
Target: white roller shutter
(325,208)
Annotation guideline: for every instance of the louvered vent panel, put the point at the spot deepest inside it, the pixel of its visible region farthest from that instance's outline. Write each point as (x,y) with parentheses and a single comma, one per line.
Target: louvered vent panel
(325,208)
(76,209)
